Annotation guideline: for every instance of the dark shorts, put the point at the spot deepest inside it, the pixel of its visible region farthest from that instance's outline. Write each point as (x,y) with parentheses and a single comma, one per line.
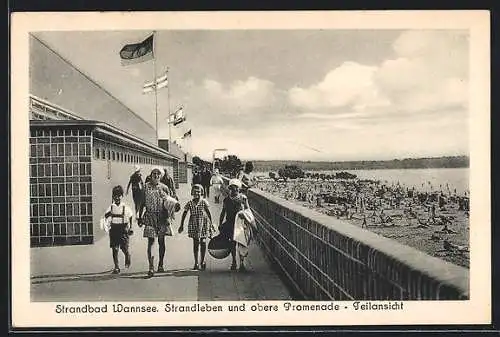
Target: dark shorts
(227,230)
(137,195)
(118,236)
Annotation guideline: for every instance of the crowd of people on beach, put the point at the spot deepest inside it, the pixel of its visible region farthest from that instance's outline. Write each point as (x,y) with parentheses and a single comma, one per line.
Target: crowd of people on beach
(155,204)
(348,198)
(375,204)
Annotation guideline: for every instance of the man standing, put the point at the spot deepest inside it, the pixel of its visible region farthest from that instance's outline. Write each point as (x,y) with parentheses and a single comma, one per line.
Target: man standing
(245,177)
(169,181)
(137,188)
(206,176)
(217,183)
(196,177)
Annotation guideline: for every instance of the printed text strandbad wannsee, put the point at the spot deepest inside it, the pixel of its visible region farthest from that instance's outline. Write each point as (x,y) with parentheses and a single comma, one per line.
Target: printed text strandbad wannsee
(205,307)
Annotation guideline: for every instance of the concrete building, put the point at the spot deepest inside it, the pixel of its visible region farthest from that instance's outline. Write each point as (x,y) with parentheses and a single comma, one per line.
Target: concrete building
(83,141)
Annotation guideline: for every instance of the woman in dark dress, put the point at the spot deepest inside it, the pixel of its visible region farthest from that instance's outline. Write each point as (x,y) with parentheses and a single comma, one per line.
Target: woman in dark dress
(231,205)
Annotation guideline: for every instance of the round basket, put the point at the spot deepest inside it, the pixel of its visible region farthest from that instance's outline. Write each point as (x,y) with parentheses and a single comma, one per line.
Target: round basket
(219,247)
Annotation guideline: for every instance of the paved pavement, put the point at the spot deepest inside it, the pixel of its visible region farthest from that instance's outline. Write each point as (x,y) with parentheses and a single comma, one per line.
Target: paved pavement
(83,273)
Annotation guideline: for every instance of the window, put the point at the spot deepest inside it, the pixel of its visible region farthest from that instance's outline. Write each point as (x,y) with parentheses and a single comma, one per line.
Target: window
(53,150)
(68,170)
(76,171)
(69,189)
(41,170)
(75,150)
(60,150)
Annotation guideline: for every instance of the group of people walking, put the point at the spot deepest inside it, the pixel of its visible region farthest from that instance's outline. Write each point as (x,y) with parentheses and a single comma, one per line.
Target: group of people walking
(156,202)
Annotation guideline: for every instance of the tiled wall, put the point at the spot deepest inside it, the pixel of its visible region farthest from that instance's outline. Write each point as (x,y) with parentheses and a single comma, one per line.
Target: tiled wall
(60,187)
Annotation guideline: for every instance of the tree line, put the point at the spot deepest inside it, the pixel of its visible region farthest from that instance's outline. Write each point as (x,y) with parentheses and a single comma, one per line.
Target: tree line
(408,163)
(229,166)
(294,172)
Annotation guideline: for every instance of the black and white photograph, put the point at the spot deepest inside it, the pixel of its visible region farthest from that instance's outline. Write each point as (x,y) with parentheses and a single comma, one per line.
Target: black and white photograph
(250,169)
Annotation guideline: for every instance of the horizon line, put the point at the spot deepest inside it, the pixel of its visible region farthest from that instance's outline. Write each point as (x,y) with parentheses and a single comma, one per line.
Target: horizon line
(349,160)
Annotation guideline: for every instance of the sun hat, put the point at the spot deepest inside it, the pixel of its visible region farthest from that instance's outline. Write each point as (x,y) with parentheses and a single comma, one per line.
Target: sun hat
(235,182)
(157,168)
(137,168)
(199,187)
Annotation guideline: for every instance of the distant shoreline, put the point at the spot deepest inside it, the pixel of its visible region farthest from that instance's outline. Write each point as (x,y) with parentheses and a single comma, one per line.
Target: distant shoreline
(408,163)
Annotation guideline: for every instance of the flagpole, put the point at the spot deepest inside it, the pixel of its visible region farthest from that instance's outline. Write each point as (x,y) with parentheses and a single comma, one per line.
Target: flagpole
(169,122)
(155,86)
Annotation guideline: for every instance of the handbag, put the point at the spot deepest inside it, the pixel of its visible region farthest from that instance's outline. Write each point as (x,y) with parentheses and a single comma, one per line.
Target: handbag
(219,247)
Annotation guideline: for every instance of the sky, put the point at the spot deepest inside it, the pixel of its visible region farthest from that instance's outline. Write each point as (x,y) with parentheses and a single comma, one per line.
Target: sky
(328,95)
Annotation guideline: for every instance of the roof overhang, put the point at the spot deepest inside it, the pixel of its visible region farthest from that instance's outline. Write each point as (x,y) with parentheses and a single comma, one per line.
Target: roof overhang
(106,131)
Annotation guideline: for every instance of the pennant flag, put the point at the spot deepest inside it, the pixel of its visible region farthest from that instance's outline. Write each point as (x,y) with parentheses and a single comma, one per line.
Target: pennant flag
(161,82)
(137,52)
(187,134)
(179,117)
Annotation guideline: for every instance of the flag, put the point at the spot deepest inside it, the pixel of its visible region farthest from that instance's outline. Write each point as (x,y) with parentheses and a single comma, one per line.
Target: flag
(187,134)
(179,117)
(161,82)
(137,52)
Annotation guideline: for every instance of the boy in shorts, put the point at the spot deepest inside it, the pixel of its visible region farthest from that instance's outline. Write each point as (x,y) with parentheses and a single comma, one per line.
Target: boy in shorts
(121,227)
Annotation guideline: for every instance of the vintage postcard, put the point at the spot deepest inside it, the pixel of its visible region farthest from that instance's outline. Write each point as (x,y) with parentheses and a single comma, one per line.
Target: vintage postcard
(250,169)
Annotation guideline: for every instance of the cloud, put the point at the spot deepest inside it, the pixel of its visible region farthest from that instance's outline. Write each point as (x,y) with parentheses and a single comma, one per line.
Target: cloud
(417,96)
(332,117)
(242,95)
(429,71)
(343,139)
(350,84)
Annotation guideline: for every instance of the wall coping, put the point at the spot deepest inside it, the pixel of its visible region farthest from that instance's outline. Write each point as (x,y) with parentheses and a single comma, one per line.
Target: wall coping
(104,129)
(438,269)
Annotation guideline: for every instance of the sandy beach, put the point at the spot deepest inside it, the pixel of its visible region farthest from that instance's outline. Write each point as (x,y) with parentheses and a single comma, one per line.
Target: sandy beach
(438,227)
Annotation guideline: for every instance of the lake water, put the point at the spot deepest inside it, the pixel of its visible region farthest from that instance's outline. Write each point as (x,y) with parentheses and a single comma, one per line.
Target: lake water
(421,179)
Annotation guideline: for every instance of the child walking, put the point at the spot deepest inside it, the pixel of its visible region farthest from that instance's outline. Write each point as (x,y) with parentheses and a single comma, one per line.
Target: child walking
(200,224)
(121,227)
(231,205)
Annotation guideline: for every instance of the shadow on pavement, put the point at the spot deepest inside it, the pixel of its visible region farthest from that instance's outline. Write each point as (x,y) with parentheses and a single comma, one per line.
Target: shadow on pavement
(107,275)
(69,275)
(104,276)
(174,272)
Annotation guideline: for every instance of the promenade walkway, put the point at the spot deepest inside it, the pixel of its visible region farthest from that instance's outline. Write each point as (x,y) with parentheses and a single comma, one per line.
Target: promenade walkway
(83,273)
